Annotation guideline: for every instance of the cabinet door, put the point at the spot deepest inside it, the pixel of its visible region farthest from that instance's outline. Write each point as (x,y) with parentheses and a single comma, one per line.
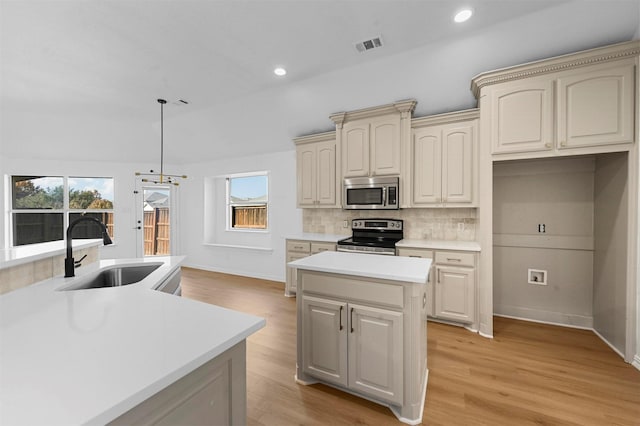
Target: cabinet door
(596,108)
(355,149)
(427,163)
(455,293)
(522,116)
(385,146)
(326,173)
(306,174)
(291,286)
(375,352)
(325,339)
(457,164)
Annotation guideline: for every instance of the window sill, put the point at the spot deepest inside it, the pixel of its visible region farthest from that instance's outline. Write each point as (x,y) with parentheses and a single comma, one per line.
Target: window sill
(264,249)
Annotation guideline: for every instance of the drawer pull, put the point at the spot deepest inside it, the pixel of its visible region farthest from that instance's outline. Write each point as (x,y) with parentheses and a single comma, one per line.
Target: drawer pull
(453,259)
(341,327)
(424,300)
(413,255)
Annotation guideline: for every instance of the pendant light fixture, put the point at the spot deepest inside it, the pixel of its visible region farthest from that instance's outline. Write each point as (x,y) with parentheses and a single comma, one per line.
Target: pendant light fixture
(161,177)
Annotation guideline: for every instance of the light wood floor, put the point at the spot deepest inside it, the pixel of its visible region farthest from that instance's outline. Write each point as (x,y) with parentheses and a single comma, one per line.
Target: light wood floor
(529,374)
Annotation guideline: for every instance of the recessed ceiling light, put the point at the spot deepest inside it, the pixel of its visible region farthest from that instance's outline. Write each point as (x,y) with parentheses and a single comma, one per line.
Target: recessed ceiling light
(463,15)
(280,71)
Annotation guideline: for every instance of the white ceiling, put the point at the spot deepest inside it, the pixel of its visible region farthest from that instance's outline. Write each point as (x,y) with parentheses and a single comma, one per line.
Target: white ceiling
(82,77)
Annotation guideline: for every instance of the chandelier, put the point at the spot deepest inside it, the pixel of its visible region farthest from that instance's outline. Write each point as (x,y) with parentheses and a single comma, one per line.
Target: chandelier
(161,177)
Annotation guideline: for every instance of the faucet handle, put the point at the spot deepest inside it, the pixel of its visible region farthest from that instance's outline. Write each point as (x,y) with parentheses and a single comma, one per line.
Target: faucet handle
(79,261)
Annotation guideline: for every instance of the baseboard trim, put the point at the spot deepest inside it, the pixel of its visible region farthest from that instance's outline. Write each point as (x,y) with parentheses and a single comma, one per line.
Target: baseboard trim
(636,362)
(616,350)
(545,317)
(235,272)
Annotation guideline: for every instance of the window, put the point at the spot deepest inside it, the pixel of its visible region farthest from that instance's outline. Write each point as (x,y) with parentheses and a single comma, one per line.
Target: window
(247,201)
(41,207)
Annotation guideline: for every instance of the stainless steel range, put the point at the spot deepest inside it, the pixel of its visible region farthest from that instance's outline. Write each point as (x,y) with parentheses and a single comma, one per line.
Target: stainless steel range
(374,236)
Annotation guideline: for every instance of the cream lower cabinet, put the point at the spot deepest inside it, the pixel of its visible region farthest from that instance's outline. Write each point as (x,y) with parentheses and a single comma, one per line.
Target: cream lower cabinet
(298,249)
(214,393)
(451,293)
(355,346)
(444,160)
(365,336)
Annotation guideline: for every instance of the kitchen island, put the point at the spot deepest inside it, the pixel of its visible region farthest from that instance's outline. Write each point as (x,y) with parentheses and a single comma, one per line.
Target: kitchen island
(119,354)
(362,327)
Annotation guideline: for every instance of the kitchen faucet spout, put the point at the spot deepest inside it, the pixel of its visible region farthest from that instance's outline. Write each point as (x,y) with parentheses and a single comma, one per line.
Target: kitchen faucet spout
(69,264)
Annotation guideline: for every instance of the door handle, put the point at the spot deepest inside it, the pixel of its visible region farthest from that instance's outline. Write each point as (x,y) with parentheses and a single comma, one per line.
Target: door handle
(351,320)
(341,318)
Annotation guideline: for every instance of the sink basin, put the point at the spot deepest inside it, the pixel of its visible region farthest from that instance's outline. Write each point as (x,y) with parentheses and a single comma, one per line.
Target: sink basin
(114,277)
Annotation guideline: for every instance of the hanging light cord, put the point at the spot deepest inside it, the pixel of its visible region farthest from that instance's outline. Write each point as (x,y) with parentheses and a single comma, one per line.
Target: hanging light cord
(170,178)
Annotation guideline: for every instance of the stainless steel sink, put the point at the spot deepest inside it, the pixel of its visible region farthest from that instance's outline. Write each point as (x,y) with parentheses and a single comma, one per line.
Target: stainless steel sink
(114,277)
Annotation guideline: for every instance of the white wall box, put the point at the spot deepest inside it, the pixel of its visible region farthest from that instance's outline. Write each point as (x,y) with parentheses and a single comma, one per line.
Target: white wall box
(373,140)
(442,160)
(316,162)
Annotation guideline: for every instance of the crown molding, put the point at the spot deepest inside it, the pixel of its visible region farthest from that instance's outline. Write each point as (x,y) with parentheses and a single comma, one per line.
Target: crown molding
(318,137)
(613,52)
(404,107)
(445,118)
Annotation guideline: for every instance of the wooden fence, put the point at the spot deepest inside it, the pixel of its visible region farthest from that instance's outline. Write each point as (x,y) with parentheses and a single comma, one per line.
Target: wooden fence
(157,235)
(249,217)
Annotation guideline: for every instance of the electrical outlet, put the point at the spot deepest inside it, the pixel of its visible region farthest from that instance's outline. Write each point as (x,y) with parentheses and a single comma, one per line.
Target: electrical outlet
(537,276)
(542,228)
(345,224)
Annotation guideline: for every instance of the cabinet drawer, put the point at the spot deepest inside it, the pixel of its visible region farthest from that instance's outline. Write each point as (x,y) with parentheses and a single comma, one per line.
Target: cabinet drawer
(318,247)
(455,258)
(295,256)
(411,252)
(353,289)
(299,246)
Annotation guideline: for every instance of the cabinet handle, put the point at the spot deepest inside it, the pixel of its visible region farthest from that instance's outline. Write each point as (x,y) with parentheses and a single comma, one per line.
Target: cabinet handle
(341,318)
(563,143)
(424,300)
(453,259)
(351,320)
(438,276)
(413,255)
(547,145)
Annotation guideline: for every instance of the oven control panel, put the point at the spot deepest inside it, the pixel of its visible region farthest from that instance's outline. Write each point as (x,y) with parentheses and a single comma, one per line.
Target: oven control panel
(377,224)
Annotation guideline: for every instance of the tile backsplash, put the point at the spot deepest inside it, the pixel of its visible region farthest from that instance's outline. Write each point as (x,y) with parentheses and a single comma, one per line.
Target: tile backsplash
(457,224)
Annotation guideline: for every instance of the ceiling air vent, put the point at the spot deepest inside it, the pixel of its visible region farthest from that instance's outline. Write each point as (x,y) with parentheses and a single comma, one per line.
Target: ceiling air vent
(374,43)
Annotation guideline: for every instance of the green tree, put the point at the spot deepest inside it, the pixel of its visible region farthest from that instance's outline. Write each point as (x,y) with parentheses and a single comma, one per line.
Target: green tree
(88,199)
(30,196)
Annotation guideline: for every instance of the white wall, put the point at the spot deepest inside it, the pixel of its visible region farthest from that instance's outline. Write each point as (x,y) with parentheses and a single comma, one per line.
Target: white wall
(559,194)
(284,218)
(124,202)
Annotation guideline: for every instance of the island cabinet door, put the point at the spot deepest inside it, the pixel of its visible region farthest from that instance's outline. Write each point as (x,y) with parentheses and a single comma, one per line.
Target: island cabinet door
(325,339)
(375,353)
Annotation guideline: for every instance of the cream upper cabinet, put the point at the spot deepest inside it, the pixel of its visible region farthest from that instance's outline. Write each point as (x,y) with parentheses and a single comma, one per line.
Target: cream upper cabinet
(371,139)
(596,107)
(316,171)
(371,147)
(443,161)
(523,116)
(355,149)
(577,104)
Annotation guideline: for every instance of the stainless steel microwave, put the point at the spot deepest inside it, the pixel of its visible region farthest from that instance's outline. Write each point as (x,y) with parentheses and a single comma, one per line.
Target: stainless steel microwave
(375,193)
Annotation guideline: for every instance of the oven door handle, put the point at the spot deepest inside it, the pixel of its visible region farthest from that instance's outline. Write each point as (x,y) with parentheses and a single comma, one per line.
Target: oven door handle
(348,250)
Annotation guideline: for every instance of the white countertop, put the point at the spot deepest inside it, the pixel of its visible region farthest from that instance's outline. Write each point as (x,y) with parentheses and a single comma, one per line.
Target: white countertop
(32,252)
(325,238)
(396,268)
(88,356)
(439,245)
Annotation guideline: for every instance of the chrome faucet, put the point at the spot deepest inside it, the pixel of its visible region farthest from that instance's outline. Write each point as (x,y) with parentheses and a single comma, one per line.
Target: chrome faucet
(69,263)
